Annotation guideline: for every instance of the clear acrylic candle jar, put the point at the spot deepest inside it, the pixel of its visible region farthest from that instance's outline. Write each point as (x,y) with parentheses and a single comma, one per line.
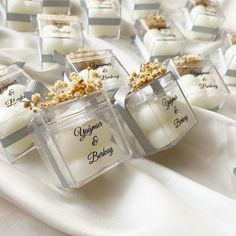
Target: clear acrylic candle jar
(143,8)
(157,115)
(202,84)
(203,22)
(58,33)
(17,14)
(80,139)
(109,69)
(55,6)
(103,18)
(14,137)
(160,43)
(227,57)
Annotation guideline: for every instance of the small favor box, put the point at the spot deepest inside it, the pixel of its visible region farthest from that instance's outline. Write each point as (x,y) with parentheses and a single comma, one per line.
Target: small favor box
(58,35)
(156,116)
(103,18)
(14,136)
(102,63)
(227,57)
(158,37)
(80,139)
(200,81)
(143,8)
(17,14)
(203,19)
(55,6)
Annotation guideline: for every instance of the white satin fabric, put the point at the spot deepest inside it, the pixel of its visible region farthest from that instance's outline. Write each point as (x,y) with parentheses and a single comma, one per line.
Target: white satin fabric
(188,190)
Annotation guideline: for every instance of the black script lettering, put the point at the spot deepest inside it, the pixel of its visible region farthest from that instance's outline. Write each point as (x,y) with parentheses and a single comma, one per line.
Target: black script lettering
(176,110)
(11,92)
(95,156)
(83,132)
(95,140)
(61,31)
(167,103)
(5,86)
(197,73)
(179,121)
(106,77)
(12,101)
(205,86)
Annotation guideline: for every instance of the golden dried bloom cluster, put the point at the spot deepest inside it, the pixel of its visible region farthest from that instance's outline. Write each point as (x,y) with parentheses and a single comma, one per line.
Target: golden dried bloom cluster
(65,91)
(188,64)
(204,3)
(156,22)
(233,38)
(85,53)
(148,72)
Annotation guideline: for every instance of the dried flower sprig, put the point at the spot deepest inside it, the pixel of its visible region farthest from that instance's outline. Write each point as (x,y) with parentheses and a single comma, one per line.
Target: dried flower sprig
(156,22)
(64,91)
(188,63)
(148,72)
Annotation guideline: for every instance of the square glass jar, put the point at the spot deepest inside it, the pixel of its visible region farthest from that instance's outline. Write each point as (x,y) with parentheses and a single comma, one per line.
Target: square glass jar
(158,43)
(14,137)
(17,14)
(80,139)
(103,18)
(109,69)
(203,22)
(58,35)
(55,6)
(227,58)
(143,8)
(156,116)
(202,84)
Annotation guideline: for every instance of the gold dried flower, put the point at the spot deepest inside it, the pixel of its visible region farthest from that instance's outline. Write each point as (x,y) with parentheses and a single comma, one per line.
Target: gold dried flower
(148,72)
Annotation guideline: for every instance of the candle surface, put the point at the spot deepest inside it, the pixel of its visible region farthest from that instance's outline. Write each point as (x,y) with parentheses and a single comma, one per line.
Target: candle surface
(108,9)
(162,121)
(162,42)
(205,17)
(110,77)
(64,39)
(22,7)
(202,91)
(13,119)
(12,95)
(87,147)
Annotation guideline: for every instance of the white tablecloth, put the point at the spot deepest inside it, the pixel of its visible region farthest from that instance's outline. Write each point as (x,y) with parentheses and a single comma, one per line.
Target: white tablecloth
(188,190)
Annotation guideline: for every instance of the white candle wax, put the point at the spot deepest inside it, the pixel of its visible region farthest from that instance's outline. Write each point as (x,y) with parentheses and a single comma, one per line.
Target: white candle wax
(22,7)
(144,12)
(82,137)
(13,119)
(161,43)
(86,153)
(205,17)
(110,77)
(104,10)
(64,39)
(99,159)
(207,101)
(158,120)
(202,91)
